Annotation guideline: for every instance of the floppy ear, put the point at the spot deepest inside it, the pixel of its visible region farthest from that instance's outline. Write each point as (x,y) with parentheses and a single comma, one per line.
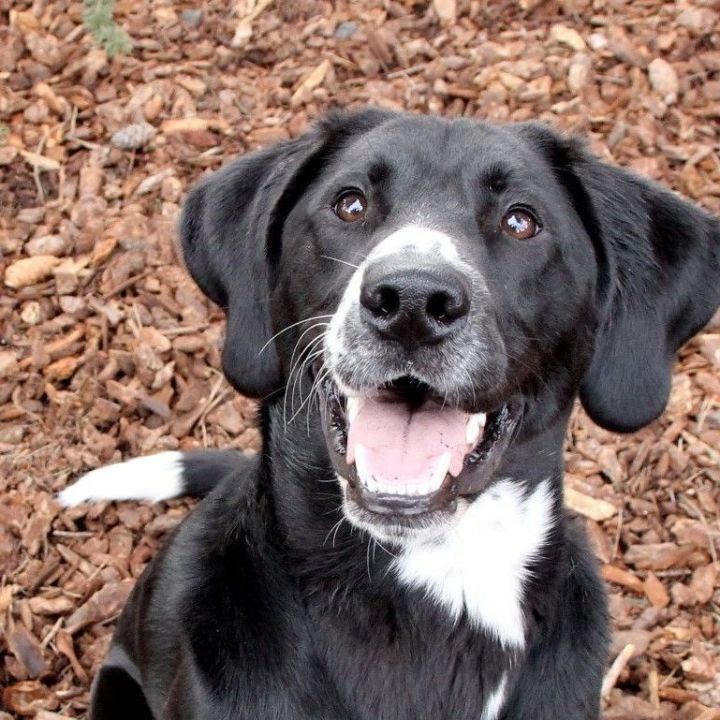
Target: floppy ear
(663,286)
(231,229)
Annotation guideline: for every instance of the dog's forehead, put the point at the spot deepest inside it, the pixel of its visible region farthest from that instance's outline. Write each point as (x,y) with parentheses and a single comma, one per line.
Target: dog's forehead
(452,148)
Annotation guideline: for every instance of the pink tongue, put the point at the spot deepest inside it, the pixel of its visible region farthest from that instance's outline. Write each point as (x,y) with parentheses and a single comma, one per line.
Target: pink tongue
(404,448)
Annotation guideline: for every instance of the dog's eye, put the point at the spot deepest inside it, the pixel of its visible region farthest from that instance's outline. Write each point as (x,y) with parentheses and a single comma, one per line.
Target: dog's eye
(520,224)
(351,206)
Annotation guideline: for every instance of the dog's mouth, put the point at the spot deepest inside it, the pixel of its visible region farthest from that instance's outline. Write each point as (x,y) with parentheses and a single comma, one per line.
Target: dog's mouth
(404,450)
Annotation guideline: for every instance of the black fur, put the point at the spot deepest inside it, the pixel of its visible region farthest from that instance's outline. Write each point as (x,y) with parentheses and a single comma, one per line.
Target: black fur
(260,607)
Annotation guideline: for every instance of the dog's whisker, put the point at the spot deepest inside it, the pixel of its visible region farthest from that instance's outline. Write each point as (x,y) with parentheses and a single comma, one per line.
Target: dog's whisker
(315,390)
(304,402)
(296,370)
(297,384)
(290,327)
(343,262)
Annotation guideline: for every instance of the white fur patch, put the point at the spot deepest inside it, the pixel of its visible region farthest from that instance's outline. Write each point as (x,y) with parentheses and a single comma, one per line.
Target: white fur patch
(409,238)
(495,702)
(480,564)
(414,238)
(155,477)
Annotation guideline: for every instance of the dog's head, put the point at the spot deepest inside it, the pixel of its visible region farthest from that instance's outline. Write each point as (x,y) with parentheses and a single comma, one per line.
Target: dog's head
(441,283)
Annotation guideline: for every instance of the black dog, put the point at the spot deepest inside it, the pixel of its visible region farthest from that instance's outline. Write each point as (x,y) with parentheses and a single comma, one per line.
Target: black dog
(418,301)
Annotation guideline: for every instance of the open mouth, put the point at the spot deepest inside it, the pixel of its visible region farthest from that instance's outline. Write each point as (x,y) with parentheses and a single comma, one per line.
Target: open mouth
(404,450)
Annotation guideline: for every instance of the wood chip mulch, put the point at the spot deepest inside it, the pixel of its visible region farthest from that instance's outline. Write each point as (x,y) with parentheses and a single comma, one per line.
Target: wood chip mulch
(107,350)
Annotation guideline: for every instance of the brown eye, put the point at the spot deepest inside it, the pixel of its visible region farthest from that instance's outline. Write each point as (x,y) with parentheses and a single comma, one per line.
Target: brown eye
(351,206)
(519,224)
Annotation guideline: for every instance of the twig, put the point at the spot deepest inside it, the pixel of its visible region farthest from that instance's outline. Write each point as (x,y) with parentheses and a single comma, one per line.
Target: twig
(36,171)
(52,633)
(616,543)
(406,72)
(125,285)
(616,668)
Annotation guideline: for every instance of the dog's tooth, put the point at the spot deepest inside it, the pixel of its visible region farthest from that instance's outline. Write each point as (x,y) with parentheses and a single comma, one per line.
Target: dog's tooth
(361,464)
(372,485)
(352,408)
(441,470)
(474,427)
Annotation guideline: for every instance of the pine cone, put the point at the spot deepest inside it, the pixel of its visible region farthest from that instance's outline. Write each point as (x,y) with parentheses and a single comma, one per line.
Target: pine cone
(133,137)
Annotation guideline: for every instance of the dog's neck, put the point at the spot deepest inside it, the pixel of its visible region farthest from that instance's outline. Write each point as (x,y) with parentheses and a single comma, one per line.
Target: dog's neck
(505,538)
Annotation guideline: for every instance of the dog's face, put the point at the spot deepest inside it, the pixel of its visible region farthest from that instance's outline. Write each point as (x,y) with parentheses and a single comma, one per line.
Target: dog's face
(445,288)
(441,289)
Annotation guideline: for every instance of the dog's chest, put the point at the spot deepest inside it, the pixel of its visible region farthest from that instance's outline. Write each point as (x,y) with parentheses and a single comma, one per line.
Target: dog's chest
(415,667)
(478,569)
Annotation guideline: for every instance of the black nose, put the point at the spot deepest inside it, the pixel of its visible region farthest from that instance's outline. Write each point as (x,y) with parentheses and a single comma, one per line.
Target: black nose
(414,304)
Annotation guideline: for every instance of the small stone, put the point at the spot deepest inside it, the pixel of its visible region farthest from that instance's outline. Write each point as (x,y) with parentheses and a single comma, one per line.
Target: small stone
(31,313)
(710,348)
(155,339)
(8,153)
(345,30)
(699,21)
(711,89)
(664,80)
(567,36)
(71,304)
(193,18)
(31,216)
(597,41)
(446,10)
(171,189)
(579,72)
(8,363)
(46,245)
(29,271)
(133,137)
(13,434)
(699,666)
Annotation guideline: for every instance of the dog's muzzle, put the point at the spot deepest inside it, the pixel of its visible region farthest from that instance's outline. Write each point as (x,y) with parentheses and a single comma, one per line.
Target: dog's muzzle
(404,443)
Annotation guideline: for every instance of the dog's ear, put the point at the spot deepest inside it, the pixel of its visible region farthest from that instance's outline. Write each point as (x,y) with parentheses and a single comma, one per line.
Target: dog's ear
(659,260)
(231,231)
(665,287)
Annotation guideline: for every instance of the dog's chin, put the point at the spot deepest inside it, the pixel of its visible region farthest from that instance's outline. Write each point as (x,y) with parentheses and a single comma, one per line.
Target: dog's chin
(408,461)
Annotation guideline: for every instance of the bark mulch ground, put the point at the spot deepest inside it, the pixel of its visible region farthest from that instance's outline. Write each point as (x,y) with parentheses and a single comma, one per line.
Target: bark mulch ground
(107,350)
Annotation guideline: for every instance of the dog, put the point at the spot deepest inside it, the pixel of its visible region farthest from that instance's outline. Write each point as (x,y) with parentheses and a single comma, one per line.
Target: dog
(418,302)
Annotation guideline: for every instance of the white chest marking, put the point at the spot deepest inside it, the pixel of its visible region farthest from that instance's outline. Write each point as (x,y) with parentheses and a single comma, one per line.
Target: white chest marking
(481,563)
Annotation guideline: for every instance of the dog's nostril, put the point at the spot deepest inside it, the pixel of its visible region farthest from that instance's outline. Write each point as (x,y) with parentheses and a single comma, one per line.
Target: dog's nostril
(382,301)
(445,307)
